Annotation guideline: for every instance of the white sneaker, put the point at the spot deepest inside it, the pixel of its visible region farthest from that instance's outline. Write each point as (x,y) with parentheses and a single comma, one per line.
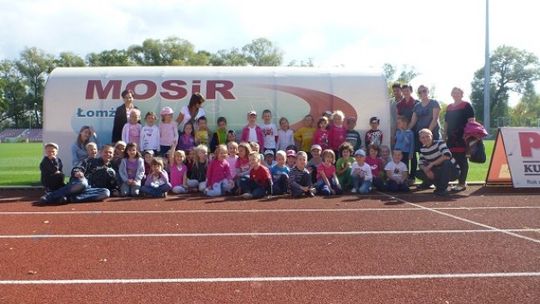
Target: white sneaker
(247,196)
(353,190)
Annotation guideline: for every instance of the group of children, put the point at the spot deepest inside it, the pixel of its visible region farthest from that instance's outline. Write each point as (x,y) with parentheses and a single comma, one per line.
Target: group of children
(154,160)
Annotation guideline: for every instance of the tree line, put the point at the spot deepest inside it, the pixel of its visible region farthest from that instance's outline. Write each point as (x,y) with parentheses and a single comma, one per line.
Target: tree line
(22,80)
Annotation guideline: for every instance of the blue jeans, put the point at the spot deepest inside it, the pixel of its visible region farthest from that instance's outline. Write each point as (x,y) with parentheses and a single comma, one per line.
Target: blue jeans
(362,186)
(73,188)
(91,195)
(443,174)
(324,189)
(393,186)
(249,186)
(156,191)
(281,184)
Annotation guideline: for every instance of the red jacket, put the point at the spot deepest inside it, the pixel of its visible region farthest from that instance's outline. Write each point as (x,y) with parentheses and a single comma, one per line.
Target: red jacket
(261,176)
(260,138)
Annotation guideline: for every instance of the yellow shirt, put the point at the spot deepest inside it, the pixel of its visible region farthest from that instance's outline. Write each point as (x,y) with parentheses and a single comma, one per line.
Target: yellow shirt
(304,136)
(201,137)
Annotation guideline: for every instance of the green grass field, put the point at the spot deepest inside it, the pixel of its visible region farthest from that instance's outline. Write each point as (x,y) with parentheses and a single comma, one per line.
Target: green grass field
(19,164)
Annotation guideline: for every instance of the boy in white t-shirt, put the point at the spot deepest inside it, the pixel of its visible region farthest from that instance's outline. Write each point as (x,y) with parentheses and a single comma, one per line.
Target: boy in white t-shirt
(397,173)
(270,132)
(361,173)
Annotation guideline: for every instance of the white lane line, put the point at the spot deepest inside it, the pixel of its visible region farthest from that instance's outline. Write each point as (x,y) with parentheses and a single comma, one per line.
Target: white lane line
(256,234)
(276,279)
(190,211)
(465,220)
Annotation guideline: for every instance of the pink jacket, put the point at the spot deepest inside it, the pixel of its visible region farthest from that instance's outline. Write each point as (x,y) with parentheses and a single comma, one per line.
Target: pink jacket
(260,138)
(474,129)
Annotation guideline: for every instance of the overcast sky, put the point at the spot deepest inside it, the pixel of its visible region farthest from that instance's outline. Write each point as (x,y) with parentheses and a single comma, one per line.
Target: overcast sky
(443,40)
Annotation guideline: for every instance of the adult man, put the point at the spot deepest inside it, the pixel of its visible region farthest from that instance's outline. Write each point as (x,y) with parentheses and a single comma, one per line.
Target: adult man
(436,164)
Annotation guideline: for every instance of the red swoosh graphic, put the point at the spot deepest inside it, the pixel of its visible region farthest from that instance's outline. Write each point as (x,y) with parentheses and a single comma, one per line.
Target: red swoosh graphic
(318,101)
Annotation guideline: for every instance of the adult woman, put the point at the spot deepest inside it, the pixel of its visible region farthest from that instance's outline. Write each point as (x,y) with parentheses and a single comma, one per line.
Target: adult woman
(122,114)
(425,116)
(437,167)
(78,148)
(457,115)
(192,111)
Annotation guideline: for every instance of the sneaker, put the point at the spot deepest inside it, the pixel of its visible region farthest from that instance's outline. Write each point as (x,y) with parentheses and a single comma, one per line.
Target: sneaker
(458,188)
(311,193)
(247,196)
(43,199)
(423,186)
(353,190)
(411,181)
(440,193)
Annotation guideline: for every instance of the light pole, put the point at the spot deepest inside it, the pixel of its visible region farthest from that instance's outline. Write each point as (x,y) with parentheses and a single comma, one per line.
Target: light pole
(487,74)
(35,105)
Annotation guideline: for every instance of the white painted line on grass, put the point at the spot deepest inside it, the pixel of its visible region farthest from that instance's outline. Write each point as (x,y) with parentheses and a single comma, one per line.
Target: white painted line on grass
(307,210)
(277,279)
(465,220)
(256,234)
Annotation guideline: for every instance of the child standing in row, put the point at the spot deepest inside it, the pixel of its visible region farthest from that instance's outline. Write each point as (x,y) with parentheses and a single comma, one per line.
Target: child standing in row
(168,131)
(404,140)
(374,136)
(150,134)
(202,135)
(352,136)
(186,140)
(337,132)
(285,135)
(252,132)
(320,137)
(220,137)
(304,135)
(131,132)
(269,131)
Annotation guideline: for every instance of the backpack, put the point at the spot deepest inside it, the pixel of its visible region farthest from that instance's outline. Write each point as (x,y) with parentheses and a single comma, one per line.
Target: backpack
(477,151)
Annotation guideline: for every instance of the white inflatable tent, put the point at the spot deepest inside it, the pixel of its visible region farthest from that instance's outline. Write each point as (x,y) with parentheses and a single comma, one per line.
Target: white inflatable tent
(75,97)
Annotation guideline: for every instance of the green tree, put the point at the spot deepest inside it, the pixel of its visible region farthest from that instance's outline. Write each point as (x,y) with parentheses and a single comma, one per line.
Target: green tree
(35,66)
(527,111)
(405,76)
(69,59)
(232,57)
(262,52)
(12,94)
(109,58)
(302,63)
(171,51)
(512,70)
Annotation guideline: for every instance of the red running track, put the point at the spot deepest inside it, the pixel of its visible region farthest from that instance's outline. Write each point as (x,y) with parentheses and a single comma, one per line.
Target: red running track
(399,254)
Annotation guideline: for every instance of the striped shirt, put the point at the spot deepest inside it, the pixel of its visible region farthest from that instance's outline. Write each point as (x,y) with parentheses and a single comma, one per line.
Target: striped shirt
(299,177)
(432,153)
